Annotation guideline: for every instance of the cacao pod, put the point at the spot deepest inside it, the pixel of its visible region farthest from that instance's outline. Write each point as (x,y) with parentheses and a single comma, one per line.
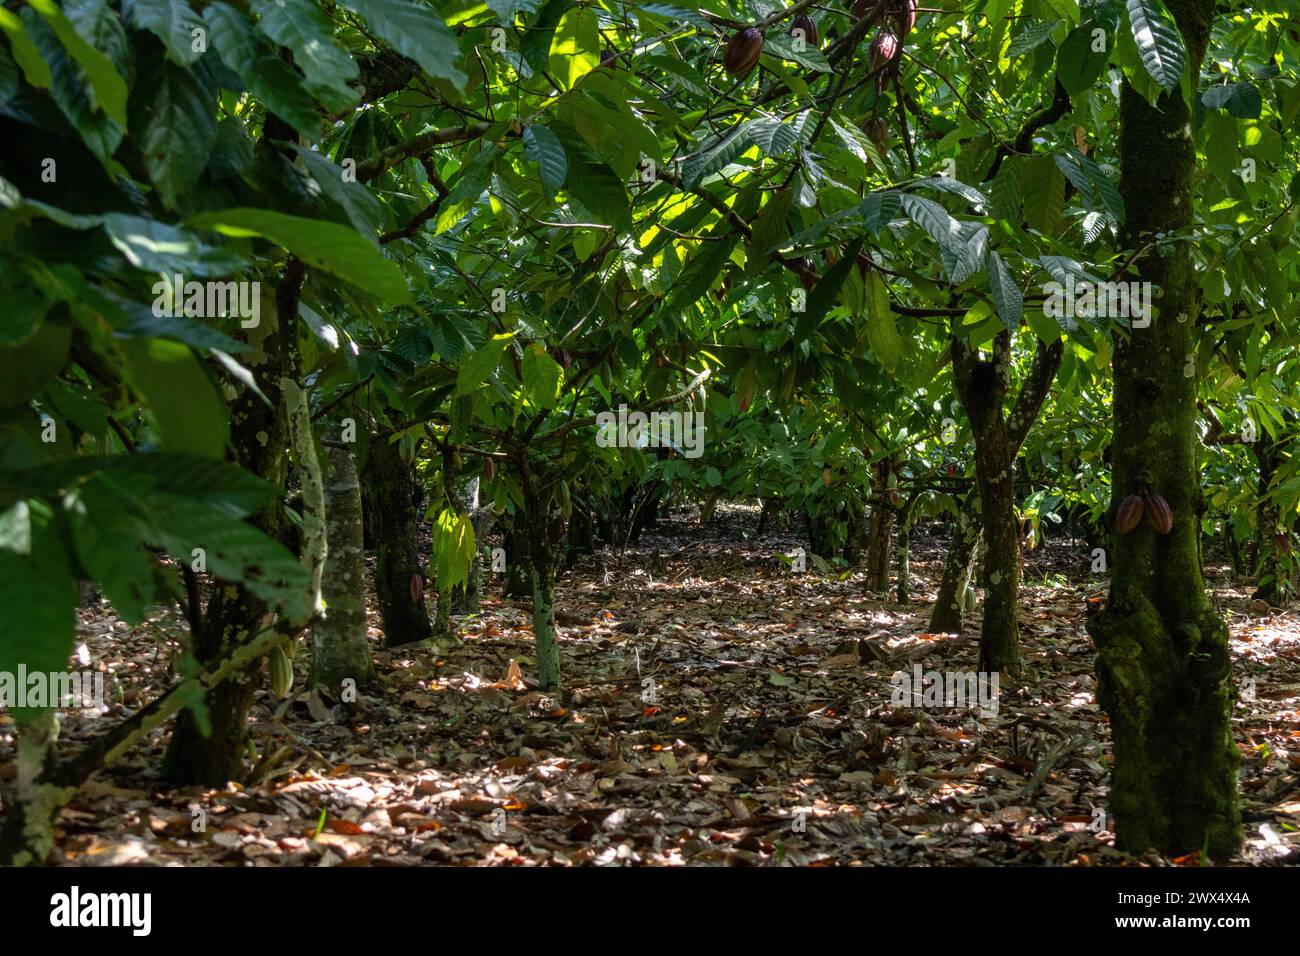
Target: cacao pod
(807,273)
(281,673)
(904,16)
(417,588)
(608,58)
(804,24)
(562,357)
(489,469)
(883,50)
(743,50)
(877,130)
(1129,514)
(1283,542)
(1159,514)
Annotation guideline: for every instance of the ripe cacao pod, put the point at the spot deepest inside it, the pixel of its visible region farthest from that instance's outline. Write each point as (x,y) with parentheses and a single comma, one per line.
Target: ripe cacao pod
(804,24)
(1130,513)
(281,672)
(743,50)
(1283,542)
(904,16)
(562,357)
(883,50)
(877,130)
(417,588)
(807,273)
(489,469)
(1159,514)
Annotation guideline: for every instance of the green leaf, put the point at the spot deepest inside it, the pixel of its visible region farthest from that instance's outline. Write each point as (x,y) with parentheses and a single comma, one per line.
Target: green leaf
(601,192)
(824,294)
(170,108)
(575,48)
(475,371)
(234,550)
(38,601)
(781,45)
(416,31)
(172,22)
(1008,298)
(158,247)
(1158,41)
(1032,36)
(354,199)
(1243,100)
(453,549)
(107,83)
(543,376)
(882,332)
(715,154)
(1078,66)
(25,54)
(544,148)
(192,416)
(25,369)
(934,219)
(105,535)
(1043,190)
(269,78)
(304,28)
(468,188)
(536,44)
(322,245)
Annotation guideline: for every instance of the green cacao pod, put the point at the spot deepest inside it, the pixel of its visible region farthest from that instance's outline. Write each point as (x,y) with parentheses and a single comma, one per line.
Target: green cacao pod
(281,673)
(1130,513)
(1159,514)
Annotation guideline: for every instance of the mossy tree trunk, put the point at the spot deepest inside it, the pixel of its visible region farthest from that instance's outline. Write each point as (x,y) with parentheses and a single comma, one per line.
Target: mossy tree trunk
(946,617)
(340,645)
(983,386)
(879,529)
(259,436)
(541,538)
(1162,650)
(392,497)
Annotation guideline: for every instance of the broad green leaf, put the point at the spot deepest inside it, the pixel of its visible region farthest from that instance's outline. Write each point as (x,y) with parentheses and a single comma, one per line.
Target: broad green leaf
(304,28)
(106,537)
(467,190)
(544,148)
(475,371)
(1078,65)
(824,294)
(108,85)
(1007,296)
(1158,41)
(26,368)
(322,245)
(269,78)
(542,375)
(882,333)
(417,31)
(575,48)
(25,54)
(173,22)
(192,416)
(715,154)
(453,549)
(601,193)
(1042,188)
(170,108)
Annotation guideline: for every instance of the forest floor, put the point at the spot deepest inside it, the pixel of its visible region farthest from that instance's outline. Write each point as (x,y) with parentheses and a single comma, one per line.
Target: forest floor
(719,708)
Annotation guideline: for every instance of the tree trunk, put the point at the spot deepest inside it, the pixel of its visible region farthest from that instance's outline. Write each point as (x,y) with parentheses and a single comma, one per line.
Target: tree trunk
(340,645)
(393,507)
(946,618)
(259,435)
(982,386)
(541,541)
(879,528)
(34,802)
(519,567)
(1268,567)
(1163,668)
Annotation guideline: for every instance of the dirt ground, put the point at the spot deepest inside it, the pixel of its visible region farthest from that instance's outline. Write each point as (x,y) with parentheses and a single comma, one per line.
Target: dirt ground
(719,708)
